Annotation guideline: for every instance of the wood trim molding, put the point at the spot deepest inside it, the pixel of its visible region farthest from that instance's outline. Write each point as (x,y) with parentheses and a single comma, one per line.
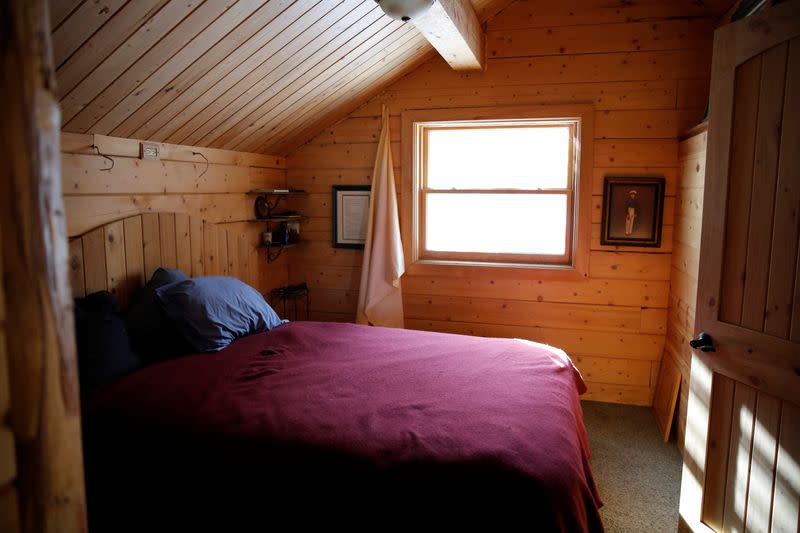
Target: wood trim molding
(121,256)
(582,236)
(42,363)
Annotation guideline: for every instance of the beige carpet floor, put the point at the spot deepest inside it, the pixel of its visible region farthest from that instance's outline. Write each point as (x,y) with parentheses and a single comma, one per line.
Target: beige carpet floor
(638,474)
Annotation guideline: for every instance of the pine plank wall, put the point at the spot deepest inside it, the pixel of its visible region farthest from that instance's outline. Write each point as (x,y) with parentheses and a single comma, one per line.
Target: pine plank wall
(180,182)
(645,68)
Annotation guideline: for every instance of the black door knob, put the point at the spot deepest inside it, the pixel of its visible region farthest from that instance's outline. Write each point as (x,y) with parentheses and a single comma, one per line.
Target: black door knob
(704,342)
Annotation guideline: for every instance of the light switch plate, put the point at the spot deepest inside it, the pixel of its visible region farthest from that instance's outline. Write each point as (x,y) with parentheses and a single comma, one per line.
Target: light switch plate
(148,151)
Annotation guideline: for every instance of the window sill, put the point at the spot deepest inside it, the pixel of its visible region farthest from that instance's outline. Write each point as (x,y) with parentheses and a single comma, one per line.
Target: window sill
(437,267)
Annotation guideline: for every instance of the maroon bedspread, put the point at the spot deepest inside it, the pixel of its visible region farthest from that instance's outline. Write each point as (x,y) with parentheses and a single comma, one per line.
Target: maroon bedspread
(329,409)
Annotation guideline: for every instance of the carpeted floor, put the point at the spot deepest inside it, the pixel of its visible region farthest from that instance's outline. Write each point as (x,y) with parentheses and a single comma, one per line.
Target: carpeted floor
(638,474)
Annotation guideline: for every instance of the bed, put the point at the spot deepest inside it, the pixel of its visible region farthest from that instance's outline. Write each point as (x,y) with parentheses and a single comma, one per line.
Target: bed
(323,424)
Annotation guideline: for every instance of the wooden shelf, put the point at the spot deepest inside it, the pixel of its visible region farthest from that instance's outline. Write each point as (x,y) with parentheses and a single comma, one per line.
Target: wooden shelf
(280,245)
(276,192)
(277,218)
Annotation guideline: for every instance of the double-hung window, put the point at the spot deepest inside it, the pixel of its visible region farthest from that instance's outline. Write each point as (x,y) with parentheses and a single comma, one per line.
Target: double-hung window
(497,191)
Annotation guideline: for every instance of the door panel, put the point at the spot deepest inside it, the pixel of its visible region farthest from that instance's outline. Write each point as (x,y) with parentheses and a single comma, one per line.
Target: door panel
(742,446)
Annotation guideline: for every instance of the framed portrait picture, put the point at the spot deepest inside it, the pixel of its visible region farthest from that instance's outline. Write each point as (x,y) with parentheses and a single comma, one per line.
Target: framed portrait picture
(633,211)
(350,211)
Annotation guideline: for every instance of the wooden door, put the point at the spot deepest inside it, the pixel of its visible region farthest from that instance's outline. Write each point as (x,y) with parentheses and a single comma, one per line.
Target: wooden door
(742,458)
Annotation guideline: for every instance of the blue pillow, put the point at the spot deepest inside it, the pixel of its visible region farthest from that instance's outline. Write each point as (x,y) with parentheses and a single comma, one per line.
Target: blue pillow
(152,334)
(104,349)
(213,311)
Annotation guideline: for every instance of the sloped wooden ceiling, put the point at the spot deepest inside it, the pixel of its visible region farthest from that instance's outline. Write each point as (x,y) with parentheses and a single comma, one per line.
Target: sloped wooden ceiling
(243,75)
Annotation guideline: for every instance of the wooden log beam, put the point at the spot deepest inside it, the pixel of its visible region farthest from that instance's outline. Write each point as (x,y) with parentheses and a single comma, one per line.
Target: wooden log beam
(45,407)
(452,27)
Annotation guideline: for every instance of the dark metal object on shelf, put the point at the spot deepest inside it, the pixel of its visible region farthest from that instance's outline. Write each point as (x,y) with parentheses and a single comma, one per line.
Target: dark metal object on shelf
(279,296)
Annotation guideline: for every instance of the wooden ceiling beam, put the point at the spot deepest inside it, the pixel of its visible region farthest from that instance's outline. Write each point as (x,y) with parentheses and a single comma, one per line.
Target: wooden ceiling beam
(452,27)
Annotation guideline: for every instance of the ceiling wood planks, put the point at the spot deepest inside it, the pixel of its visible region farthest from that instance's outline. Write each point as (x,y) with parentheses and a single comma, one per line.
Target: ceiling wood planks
(236,74)
(251,75)
(452,27)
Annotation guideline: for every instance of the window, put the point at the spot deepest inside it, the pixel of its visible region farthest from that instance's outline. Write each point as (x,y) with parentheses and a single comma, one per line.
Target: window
(496,191)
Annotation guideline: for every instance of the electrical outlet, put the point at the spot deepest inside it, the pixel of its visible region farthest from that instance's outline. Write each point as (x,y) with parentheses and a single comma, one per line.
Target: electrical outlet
(148,151)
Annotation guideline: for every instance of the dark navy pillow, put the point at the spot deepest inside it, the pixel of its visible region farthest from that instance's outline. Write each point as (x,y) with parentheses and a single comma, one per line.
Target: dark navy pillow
(213,311)
(104,348)
(152,333)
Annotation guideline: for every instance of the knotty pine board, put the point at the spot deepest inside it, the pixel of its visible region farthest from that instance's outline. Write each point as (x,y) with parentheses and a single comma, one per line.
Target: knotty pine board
(647,84)
(179,182)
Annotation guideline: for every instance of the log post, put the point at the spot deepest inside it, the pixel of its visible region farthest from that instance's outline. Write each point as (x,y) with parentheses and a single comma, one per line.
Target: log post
(44,401)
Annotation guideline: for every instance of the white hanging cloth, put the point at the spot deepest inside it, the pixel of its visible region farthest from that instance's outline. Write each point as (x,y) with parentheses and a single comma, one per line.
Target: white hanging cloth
(380,298)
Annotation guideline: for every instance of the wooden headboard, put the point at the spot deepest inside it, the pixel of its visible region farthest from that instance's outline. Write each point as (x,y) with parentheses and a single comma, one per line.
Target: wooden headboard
(121,256)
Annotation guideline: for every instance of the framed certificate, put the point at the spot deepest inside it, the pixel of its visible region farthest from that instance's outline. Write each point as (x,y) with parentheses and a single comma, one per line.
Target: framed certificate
(350,212)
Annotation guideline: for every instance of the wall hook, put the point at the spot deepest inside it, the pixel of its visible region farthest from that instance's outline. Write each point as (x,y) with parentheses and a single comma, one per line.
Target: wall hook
(96,149)
(206,160)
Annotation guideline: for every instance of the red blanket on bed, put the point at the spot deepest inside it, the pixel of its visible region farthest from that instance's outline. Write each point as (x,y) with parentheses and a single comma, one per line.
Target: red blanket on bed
(334,410)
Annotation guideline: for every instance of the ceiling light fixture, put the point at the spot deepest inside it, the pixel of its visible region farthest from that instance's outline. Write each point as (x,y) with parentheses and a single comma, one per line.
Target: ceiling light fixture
(405,10)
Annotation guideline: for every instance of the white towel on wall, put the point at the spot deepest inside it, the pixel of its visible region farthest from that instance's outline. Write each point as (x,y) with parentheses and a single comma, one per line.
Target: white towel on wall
(380,298)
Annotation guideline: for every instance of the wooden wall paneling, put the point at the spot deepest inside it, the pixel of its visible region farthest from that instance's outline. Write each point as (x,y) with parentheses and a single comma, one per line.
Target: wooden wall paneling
(741,441)
(762,462)
(94,261)
(270,33)
(525,15)
(82,144)
(89,211)
(168,221)
(719,435)
(510,73)
(666,395)
(642,100)
(197,243)
(183,244)
(210,254)
(522,313)
(76,270)
(762,202)
(786,223)
(243,249)
(593,38)
(120,252)
(116,268)
(222,252)
(786,492)
(166,225)
(233,255)
(151,240)
(134,254)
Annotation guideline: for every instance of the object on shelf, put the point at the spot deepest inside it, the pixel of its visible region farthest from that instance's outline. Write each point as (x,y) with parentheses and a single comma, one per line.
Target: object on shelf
(276,192)
(279,297)
(282,229)
(292,232)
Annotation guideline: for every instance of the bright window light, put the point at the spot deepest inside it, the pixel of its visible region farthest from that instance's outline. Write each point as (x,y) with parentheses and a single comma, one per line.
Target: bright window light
(497,223)
(499,158)
(497,191)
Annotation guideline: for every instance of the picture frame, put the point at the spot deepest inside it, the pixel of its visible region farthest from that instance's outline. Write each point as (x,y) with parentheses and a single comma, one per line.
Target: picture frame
(633,211)
(350,205)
